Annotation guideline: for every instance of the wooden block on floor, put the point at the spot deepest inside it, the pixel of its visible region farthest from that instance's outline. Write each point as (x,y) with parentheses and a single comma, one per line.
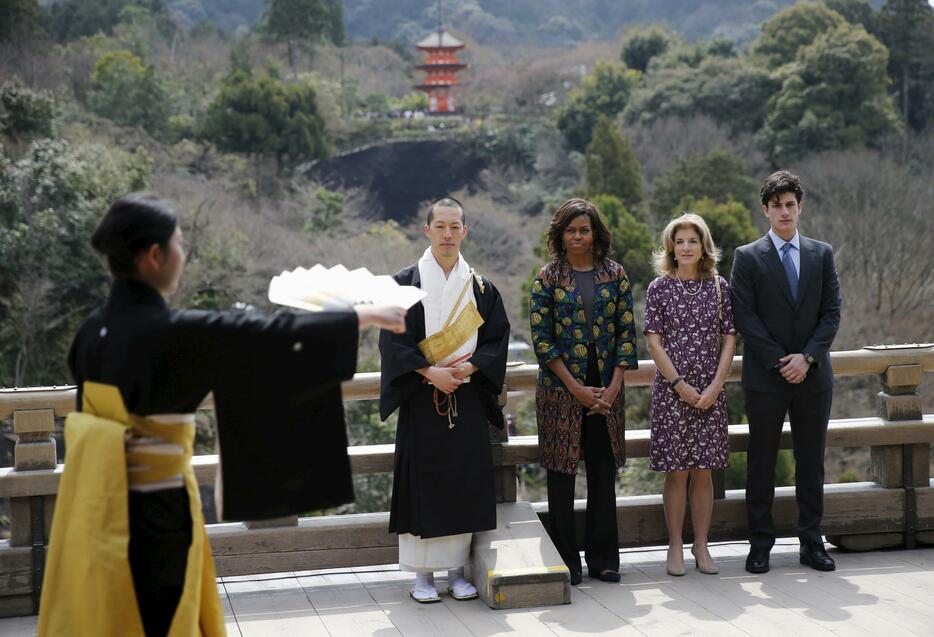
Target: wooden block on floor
(516,565)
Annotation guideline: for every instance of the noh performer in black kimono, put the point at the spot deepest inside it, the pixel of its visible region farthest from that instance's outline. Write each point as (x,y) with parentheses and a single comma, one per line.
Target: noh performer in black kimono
(444,374)
(128,553)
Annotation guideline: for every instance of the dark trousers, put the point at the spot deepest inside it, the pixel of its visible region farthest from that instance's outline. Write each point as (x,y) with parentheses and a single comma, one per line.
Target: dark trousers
(601,539)
(160,536)
(808,414)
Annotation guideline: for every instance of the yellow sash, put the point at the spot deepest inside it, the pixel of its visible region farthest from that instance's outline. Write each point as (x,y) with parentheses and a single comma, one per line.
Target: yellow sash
(88,585)
(442,344)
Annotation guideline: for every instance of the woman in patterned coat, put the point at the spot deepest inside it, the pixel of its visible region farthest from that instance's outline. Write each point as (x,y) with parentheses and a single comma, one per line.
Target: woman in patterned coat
(584,338)
(690,334)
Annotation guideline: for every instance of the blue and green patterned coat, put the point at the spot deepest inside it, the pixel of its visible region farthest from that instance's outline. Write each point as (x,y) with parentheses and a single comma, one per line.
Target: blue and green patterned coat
(559,328)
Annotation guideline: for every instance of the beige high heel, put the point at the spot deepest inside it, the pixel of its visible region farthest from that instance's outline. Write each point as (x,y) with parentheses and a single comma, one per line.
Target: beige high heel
(706,569)
(675,571)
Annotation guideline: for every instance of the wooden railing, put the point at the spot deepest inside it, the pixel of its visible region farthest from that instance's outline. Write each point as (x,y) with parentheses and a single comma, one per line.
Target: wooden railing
(895,508)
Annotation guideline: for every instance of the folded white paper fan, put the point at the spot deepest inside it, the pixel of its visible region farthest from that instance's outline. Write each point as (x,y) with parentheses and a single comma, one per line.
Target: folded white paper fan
(321,288)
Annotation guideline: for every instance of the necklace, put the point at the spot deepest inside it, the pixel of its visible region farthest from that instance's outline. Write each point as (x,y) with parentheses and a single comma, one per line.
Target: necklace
(685,290)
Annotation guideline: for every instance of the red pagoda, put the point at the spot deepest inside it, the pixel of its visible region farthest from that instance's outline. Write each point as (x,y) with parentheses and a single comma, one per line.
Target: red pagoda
(441,67)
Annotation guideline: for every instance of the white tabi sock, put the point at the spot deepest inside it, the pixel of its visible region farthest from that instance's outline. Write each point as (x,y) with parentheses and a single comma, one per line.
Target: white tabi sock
(425,586)
(457,583)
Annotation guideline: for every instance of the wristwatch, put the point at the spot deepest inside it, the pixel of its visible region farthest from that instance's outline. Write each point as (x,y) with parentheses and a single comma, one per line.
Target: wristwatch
(808,358)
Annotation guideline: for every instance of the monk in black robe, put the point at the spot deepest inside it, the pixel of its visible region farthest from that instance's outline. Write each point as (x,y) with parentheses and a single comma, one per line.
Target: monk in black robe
(142,565)
(444,375)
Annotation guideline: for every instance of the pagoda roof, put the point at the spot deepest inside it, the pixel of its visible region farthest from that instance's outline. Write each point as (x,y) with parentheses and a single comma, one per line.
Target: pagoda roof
(442,40)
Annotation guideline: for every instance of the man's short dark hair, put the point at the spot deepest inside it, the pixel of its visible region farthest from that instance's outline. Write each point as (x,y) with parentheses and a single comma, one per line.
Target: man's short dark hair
(446,202)
(779,183)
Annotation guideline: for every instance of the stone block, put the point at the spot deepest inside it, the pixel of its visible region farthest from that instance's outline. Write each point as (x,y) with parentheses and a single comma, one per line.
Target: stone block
(516,565)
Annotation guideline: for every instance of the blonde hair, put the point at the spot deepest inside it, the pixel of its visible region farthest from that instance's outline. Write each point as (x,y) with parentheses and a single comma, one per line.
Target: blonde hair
(664,257)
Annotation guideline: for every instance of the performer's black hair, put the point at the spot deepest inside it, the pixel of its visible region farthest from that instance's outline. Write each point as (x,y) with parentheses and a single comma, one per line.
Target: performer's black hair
(446,201)
(133,224)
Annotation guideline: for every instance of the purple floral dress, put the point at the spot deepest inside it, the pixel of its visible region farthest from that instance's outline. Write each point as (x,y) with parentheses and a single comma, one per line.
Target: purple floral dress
(684,437)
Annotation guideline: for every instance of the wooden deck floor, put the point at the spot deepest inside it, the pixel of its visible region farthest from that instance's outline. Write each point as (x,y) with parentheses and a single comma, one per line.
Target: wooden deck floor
(879,593)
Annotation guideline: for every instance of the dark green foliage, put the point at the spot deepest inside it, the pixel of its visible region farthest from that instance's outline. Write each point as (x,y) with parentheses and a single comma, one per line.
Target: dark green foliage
(907,29)
(325,211)
(553,22)
(507,147)
(733,92)
(226,15)
(605,91)
(855,12)
(612,167)
(265,116)
(641,44)
(730,224)
(718,175)
(50,202)
(789,30)
(632,239)
(19,18)
(296,19)
(73,19)
(832,97)
(129,92)
(25,114)
(304,21)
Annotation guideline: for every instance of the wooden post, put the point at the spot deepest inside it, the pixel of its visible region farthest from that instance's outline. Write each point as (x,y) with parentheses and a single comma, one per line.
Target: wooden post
(34,450)
(897,466)
(506,478)
(31,517)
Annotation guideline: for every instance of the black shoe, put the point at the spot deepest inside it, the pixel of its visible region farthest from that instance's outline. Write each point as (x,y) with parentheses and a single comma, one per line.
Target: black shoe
(605,575)
(814,555)
(576,578)
(758,560)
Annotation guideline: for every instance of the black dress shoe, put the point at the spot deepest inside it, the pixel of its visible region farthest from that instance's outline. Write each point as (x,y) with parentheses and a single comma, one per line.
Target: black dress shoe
(606,575)
(758,560)
(814,555)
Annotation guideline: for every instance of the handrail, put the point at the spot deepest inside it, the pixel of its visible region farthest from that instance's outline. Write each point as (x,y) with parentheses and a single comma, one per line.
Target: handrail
(365,386)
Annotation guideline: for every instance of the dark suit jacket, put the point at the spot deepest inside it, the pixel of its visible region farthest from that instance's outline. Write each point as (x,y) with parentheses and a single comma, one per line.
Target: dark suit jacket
(773,324)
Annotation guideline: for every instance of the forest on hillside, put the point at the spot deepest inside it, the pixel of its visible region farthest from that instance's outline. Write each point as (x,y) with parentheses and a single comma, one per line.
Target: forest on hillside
(99,98)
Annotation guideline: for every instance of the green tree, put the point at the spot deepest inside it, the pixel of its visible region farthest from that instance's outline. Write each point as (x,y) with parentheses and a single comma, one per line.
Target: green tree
(325,211)
(855,12)
(605,91)
(832,97)
(612,167)
(303,21)
(129,92)
(73,19)
(730,226)
(733,92)
(50,202)
(265,117)
(19,18)
(789,30)
(907,29)
(25,114)
(718,175)
(641,44)
(632,239)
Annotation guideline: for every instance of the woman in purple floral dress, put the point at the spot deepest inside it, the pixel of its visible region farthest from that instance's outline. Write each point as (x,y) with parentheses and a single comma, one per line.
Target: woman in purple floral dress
(691,338)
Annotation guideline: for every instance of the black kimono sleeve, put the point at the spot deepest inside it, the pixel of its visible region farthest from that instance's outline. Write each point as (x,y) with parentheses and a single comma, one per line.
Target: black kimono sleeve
(491,351)
(277,395)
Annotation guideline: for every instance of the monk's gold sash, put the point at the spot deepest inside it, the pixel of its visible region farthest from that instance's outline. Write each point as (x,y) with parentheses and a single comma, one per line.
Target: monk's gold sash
(455,332)
(88,586)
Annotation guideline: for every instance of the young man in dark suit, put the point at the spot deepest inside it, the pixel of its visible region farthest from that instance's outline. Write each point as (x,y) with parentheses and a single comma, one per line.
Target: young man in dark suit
(786,306)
